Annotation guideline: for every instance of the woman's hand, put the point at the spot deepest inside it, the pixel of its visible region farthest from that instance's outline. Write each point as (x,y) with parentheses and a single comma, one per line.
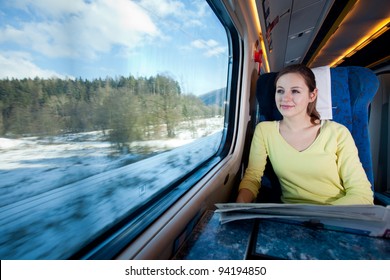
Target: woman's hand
(245,196)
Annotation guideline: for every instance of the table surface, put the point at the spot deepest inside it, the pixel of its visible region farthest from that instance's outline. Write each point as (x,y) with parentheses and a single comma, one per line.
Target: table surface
(271,239)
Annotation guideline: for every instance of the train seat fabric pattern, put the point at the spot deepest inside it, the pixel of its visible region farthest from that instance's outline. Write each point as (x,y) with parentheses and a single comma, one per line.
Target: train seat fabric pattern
(352,89)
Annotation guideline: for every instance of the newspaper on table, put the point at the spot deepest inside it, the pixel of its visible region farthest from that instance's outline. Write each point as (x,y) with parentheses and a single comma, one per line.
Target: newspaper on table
(372,220)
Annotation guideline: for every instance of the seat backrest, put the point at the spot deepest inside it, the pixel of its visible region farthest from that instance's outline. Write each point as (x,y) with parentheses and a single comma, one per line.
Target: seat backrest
(379,128)
(352,89)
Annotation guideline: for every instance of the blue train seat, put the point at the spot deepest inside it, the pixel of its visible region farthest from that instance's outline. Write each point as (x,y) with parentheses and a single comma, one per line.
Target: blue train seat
(352,89)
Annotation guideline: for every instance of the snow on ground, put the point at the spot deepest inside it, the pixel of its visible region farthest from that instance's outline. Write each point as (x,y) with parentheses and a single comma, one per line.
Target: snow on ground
(58,192)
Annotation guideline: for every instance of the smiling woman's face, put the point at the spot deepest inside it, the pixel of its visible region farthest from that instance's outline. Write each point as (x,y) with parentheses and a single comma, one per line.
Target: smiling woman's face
(292,95)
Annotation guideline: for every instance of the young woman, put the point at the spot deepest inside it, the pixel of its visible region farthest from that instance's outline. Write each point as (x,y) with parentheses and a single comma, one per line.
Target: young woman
(316,161)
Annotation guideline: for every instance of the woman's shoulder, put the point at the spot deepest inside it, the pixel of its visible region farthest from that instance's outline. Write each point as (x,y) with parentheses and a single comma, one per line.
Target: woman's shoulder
(266,128)
(333,125)
(336,129)
(267,124)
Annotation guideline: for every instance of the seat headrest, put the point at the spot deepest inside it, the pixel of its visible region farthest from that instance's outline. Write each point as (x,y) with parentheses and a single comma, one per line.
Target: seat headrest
(324,98)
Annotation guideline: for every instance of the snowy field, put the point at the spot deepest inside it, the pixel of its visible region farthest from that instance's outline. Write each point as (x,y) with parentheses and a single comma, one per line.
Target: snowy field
(58,192)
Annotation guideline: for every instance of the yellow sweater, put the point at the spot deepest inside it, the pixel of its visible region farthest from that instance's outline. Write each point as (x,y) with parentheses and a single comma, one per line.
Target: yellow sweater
(327,172)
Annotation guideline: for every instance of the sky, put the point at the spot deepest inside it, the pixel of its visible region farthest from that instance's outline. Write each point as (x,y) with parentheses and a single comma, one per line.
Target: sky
(91,39)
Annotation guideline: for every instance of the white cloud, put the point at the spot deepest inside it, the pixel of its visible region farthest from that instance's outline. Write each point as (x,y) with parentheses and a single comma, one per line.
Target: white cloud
(202,44)
(195,17)
(120,23)
(199,44)
(50,8)
(163,8)
(85,29)
(81,29)
(211,47)
(19,65)
(215,51)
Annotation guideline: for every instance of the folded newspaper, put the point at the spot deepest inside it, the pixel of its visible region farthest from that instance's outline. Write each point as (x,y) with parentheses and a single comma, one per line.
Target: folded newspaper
(372,220)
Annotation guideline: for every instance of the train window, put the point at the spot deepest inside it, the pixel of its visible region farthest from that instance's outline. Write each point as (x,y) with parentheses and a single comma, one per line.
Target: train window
(106,106)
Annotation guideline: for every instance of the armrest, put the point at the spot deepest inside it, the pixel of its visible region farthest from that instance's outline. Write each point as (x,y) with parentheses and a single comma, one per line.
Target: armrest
(381,199)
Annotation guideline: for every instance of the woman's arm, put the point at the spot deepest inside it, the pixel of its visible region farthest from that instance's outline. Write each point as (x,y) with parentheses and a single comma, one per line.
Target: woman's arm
(250,183)
(353,177)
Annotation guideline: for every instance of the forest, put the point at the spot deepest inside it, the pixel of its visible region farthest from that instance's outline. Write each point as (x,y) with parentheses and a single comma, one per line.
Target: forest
(126,109)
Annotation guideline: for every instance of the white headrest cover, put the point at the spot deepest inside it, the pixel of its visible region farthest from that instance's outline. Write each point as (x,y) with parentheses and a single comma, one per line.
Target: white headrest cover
(324,99)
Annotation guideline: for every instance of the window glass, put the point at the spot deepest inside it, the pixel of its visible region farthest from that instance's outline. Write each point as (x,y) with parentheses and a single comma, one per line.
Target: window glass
(104,104)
